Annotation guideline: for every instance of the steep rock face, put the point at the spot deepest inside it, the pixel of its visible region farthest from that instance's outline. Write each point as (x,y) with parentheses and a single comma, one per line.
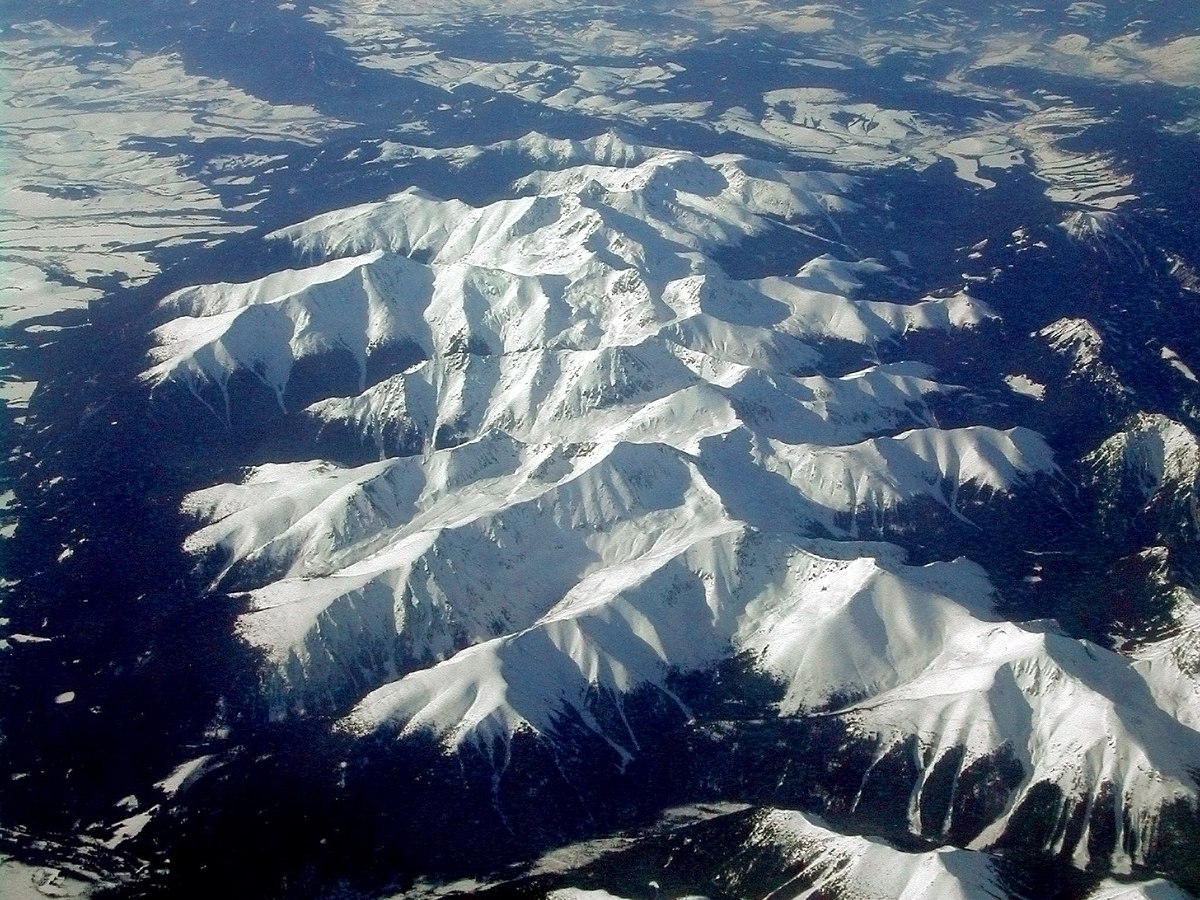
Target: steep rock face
(1148,476)
(1080,347)
(1146,479)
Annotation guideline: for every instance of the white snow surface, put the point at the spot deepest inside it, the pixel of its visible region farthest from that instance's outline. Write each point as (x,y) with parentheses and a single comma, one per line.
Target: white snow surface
(1170,666)
(1023,384)
(883,473)
(21,881)
(918,650)
(379,550)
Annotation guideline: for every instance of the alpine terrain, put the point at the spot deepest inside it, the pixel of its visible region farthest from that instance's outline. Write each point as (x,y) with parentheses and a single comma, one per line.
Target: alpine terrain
(731,450)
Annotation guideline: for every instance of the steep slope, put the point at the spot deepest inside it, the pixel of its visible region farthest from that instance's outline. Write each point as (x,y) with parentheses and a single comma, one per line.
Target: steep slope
(917,651)
(492,506)
(776,853)
(1146,479)
(1148,475)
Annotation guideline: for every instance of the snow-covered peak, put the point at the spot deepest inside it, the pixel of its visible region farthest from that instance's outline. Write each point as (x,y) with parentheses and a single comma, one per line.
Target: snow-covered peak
(583,258)
(860,866)
(1075,338)
(1093,226)
(899,650)
(683,198)
(609,148)
(877,476)
(1104,231)
(1151,453)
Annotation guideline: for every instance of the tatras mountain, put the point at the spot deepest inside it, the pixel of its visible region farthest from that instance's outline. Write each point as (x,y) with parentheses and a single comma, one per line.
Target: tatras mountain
(703,450)
(605,468)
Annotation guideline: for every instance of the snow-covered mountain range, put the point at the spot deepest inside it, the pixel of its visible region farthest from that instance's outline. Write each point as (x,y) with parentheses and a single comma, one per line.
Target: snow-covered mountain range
(714,450)
(603,464)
